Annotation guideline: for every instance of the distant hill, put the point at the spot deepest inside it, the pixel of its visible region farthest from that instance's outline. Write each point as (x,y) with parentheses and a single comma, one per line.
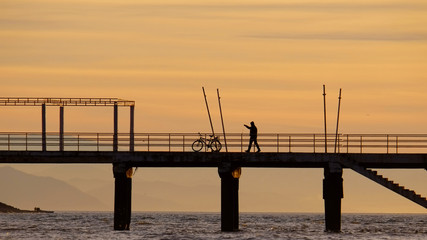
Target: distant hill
(28,191)
(4,208)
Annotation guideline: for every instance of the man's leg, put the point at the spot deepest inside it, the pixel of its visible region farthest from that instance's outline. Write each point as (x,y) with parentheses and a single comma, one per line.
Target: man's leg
(250,145)
(256,144)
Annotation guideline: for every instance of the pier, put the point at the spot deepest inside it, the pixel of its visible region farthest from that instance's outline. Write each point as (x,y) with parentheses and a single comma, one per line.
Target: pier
(125,151)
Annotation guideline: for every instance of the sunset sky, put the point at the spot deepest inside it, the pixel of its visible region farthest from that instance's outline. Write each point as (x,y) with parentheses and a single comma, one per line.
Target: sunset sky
(268,58)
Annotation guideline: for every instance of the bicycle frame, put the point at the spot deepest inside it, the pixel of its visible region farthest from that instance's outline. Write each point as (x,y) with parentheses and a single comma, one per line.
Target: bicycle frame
(207,142)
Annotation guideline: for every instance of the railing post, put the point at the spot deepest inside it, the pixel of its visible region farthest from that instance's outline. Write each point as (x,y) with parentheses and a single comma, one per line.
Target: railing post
(241,142)
(289,143)
(115,134)
(347,143)
(397,144)
(314,143)
(97,142)
(169,142)
(361,144)
(183,143)
(43,127)
(278,143)
(387,143)
(61,128)
(26,141)
(148,142)
(206,142)
(339,143)
(8,142)
(131,131)
(78,142)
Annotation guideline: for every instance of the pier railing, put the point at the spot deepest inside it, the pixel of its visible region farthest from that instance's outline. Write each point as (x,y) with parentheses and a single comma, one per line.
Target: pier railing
(237,142)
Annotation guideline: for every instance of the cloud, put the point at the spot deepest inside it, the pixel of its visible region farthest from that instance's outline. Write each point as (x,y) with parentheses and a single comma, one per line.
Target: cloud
(346,36)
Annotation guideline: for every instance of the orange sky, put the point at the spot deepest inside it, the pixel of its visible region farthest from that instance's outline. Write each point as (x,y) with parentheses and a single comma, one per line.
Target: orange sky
(269,58)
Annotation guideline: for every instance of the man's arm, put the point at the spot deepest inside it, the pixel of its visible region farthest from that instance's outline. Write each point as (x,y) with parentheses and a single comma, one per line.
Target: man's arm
(247,126)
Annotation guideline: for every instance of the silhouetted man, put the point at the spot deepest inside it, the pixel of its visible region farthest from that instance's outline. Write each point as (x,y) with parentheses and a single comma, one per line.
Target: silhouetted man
(253,134)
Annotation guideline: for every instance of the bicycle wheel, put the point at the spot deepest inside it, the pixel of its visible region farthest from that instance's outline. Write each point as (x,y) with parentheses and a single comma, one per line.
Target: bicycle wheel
(216,146)
(197,145)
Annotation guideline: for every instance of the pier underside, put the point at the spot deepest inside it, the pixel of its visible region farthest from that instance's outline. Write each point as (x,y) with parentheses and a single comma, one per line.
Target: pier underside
(229,167)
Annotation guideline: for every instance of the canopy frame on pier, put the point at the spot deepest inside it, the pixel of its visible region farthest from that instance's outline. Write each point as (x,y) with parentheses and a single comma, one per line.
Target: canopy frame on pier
(80,102)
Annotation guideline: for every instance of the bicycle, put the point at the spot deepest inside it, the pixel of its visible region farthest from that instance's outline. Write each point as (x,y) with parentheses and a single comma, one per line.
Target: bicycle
(212,143)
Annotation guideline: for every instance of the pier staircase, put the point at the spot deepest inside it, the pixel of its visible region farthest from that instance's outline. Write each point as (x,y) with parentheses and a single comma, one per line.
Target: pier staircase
(380,179)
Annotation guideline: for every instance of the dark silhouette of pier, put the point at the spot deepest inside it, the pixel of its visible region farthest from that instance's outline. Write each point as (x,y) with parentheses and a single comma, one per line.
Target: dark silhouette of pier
(359,152)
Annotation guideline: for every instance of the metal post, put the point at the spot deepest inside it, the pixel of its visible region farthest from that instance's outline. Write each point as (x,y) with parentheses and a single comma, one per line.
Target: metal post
(122,196)
(61,128)
(222,120)
(116,126)
(132,126)
(209,114)
(289,143)
(43,127)
(332,194)
(338,120)
(206,142)
(229,197)
(339,145)
(387,143)
(314,143)
(397,144)
(347,143)
(241,142)
(278,142)
(324,118)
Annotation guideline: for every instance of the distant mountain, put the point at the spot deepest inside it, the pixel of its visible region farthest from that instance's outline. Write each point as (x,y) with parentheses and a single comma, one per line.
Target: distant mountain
(28,191)
(165,196)
(91,188)
(4,208)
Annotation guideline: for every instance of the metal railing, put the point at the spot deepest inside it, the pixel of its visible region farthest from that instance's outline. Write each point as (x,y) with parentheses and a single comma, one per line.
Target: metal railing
(237,142)
(31,101)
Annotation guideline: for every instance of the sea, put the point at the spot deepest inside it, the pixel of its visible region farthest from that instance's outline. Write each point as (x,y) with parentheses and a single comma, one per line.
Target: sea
(177,225)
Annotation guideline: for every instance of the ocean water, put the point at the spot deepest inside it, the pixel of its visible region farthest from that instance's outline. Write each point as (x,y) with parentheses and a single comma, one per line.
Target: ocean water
(155,225)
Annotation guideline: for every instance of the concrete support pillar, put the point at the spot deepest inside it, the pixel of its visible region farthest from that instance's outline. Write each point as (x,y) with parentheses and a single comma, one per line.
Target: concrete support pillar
(332,194)
(61,128)
(229,197)
(132,128)
(44,127)
(116,127)
(122,196)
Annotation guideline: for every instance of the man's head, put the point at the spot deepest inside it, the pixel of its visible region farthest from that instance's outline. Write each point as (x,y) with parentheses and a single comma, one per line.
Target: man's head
(252,123)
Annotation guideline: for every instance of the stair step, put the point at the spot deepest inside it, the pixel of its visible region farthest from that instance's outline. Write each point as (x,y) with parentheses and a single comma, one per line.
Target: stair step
(380,179)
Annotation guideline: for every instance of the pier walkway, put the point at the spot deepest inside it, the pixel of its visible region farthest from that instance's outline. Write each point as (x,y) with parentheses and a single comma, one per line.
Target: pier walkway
(360,152)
